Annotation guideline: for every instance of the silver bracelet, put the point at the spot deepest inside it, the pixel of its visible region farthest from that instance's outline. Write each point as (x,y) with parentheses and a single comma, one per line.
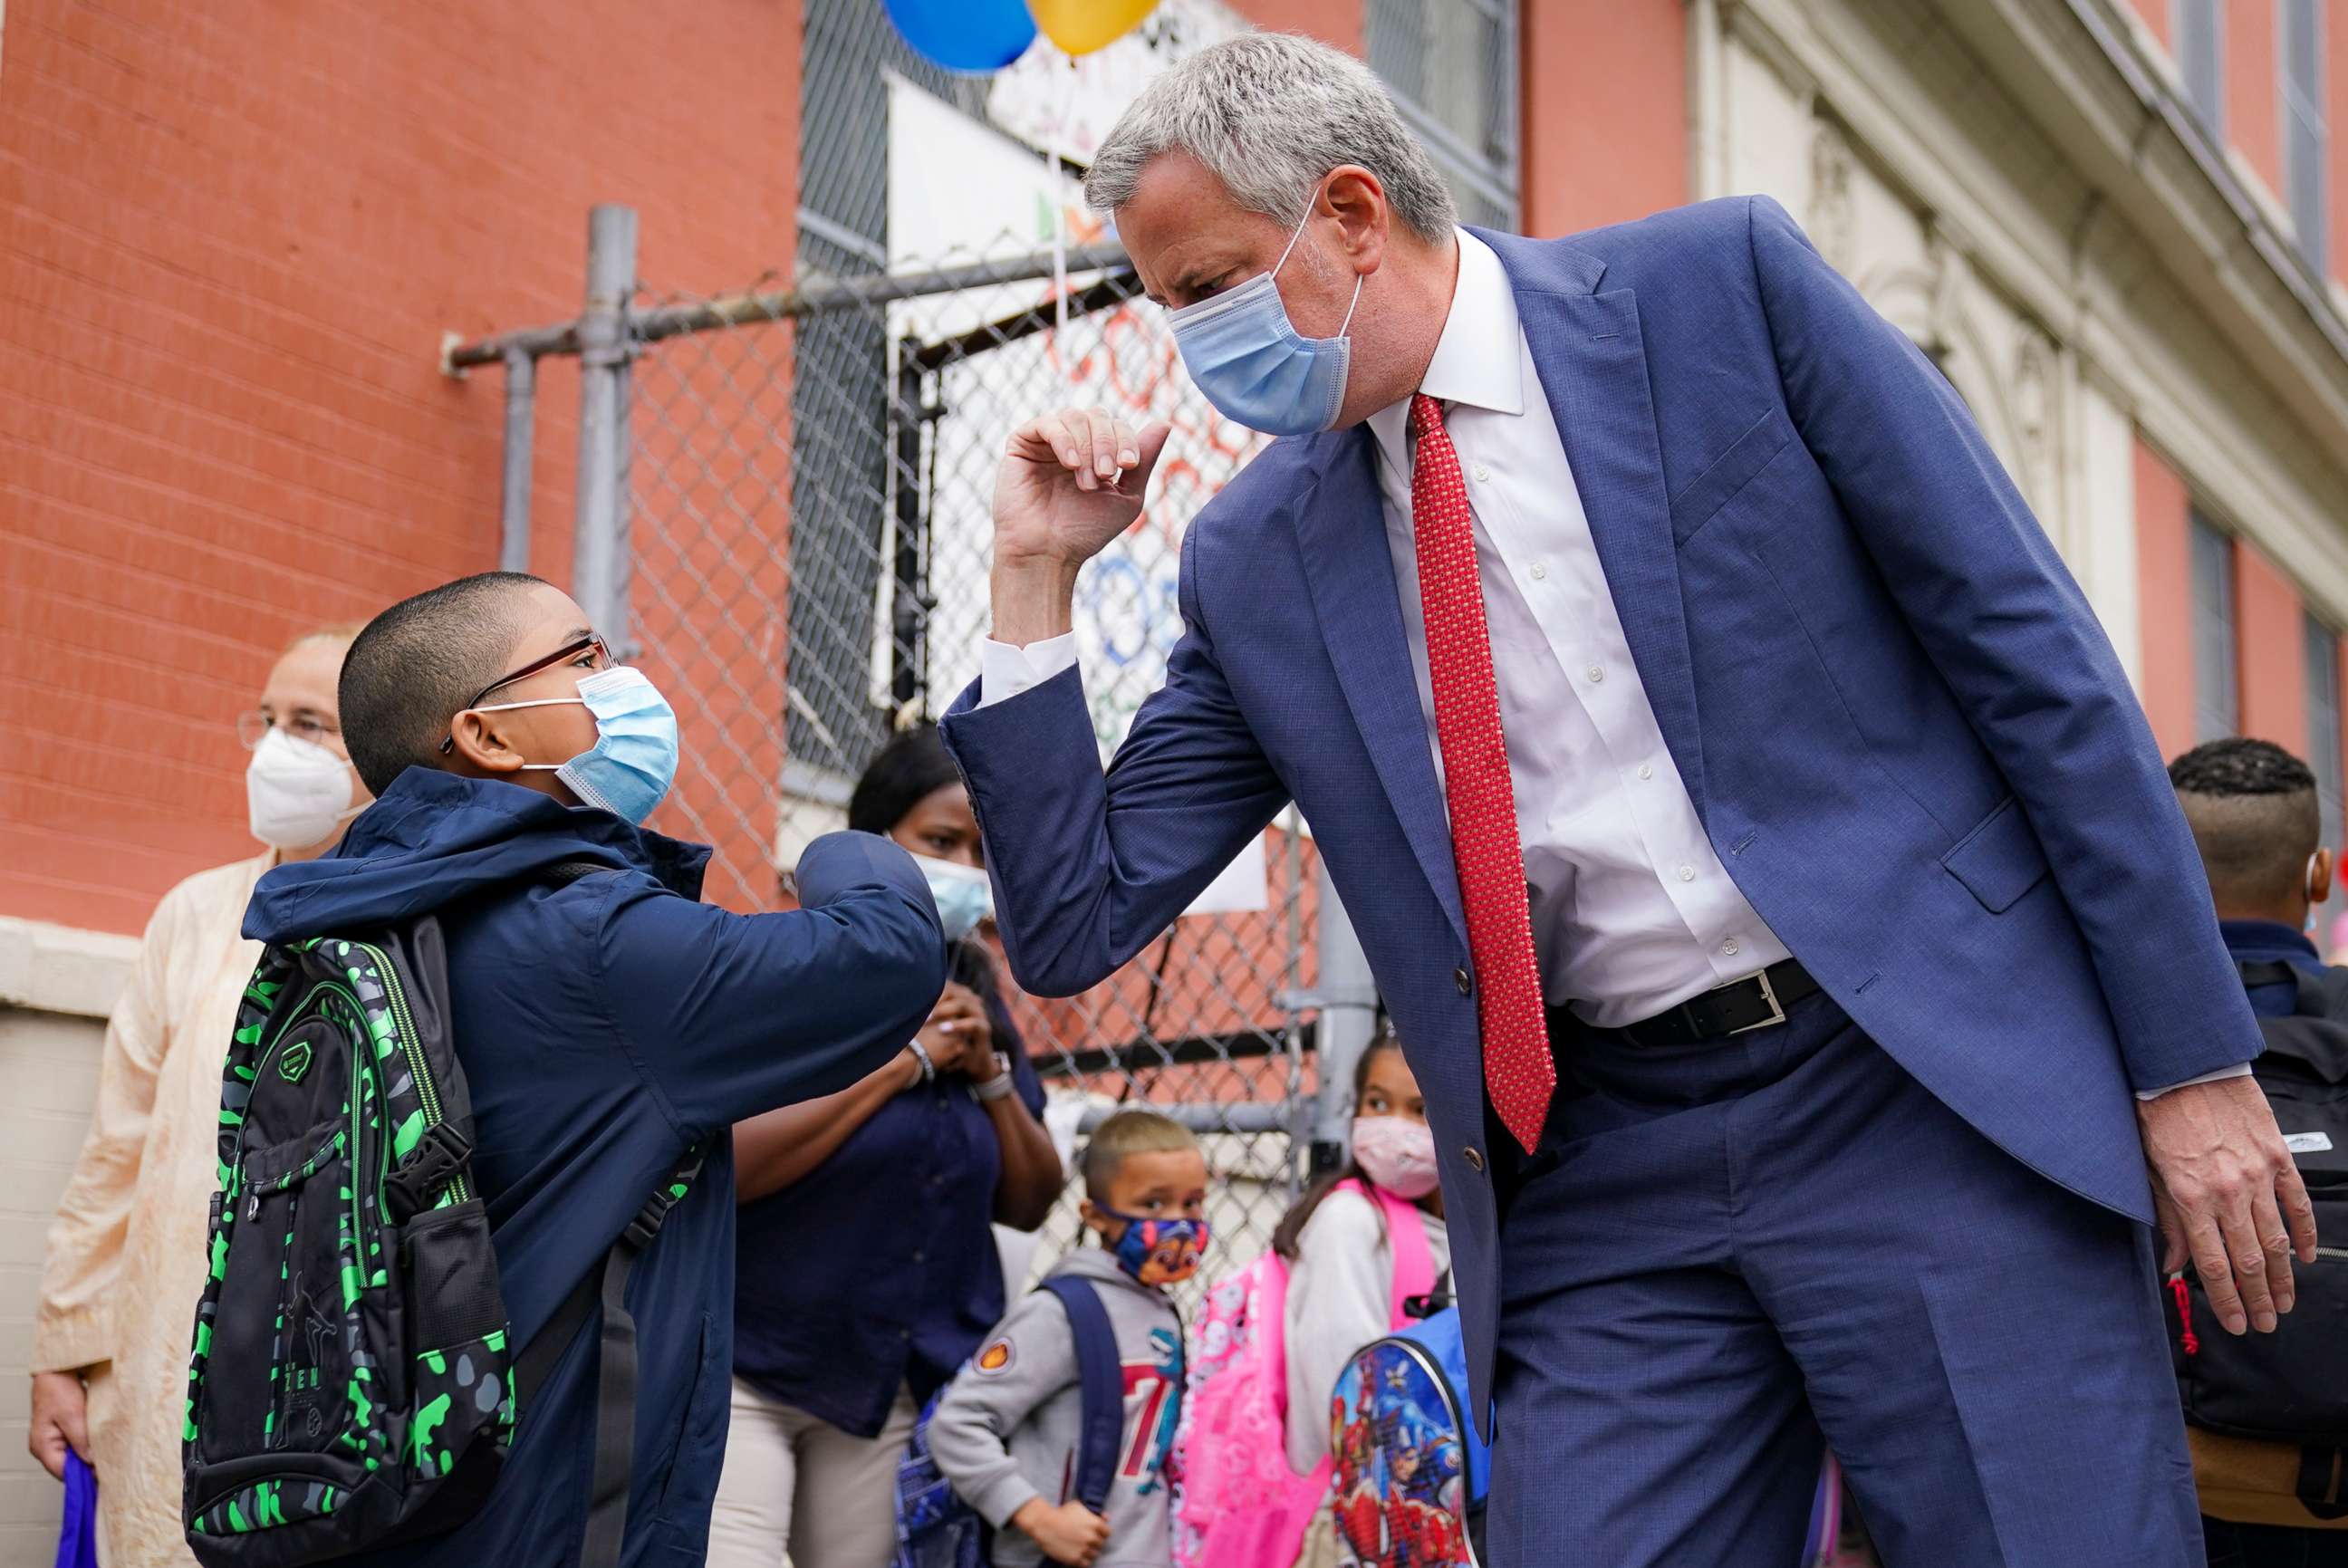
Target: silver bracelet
(1000,1085)
(922,1055)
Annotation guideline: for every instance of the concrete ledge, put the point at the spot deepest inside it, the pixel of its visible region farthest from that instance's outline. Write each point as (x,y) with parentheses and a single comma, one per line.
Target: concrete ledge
(62,968)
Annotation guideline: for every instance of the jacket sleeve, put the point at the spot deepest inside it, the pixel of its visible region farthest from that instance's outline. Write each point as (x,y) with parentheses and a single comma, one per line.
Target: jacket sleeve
(72,1323)
(2001,620)
(1088,867)
(969,1431)
(729,1015)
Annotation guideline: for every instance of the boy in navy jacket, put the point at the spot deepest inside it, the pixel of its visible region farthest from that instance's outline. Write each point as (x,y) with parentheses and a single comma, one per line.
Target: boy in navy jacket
(607,1024)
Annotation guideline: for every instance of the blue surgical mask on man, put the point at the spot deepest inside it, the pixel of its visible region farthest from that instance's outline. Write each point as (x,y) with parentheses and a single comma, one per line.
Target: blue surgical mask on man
(632,763)
(964,894)
(1252,363)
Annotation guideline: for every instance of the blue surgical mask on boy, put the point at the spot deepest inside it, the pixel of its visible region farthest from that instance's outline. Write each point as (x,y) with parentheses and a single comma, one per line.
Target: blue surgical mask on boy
(1252,364)
(1158,1252)
(632,763)
(964,894)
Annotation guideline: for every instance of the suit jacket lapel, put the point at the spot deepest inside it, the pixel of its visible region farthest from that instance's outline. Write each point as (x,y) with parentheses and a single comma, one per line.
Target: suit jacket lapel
(1593,369)
(1341,531)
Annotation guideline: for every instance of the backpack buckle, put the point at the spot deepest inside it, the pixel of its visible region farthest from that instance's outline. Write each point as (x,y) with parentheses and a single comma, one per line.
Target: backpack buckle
(646,1225)
(439,1155)
(648,1220)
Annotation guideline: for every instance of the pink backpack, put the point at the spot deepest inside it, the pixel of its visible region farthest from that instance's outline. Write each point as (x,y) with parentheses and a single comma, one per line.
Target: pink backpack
(1240,1505)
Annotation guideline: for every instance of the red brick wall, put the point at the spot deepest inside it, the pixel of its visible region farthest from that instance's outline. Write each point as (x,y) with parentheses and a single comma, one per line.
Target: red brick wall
(235,232)
(2270,652)
(2253,93)
(1605,111)
(2156,15)
(2165,600)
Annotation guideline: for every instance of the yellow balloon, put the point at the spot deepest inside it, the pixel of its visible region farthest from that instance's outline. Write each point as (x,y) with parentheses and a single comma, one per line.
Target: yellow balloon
(1080,26)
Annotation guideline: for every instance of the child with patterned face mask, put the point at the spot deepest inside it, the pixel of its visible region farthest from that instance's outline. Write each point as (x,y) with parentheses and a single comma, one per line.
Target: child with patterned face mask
(1338,1242)
(1008,1431)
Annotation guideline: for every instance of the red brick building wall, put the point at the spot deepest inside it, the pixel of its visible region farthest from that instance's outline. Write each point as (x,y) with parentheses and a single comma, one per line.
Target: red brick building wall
(1605,111)
(2253,95)
(2272,651)
(235,233)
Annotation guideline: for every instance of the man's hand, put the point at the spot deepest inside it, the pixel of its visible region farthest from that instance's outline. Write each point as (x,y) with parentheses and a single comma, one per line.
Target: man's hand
(1069,482)
(2229,1197)
(60,1415)
(1070,1533)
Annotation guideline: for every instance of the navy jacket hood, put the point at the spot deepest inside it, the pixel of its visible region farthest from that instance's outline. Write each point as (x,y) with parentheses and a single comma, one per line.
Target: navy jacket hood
(435,838)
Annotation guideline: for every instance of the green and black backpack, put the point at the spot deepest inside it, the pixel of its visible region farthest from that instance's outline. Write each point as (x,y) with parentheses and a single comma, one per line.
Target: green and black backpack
(352,1385)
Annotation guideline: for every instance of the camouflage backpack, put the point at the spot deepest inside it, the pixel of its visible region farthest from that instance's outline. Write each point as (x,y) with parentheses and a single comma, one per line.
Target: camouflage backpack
(352,1383)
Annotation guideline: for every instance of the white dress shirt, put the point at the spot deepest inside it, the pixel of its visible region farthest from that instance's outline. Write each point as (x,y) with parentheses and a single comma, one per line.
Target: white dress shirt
(1632,912)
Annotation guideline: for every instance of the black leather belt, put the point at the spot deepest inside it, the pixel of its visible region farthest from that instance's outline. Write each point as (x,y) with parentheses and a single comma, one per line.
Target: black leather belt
(1755,1002)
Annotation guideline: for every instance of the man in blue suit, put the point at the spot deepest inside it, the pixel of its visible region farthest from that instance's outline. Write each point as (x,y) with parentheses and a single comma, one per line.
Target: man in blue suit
(1752,832)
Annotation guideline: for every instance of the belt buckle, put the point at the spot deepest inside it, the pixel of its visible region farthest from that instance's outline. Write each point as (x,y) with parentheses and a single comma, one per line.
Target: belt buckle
(1777,1009)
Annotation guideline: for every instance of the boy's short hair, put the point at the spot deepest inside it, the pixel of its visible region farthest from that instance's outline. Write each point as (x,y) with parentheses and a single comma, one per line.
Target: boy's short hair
(413,668)
(2255,817)
(1127,1132)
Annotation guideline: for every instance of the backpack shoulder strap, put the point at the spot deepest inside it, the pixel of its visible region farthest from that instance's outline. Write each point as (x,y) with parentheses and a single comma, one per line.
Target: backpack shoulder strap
(1100,1372)
(615,1388)
(1414,1259)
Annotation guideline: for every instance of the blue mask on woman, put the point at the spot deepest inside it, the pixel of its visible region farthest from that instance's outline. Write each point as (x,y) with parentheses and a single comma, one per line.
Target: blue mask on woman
(962,893)
(632,763)
(1252,364)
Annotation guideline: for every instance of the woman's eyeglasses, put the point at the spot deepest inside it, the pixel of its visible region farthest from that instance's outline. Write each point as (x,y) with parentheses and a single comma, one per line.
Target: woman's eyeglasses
(590,650)
(255,723)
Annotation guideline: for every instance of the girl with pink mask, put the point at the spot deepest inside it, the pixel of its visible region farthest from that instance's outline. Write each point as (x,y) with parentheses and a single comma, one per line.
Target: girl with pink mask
(1340,1246)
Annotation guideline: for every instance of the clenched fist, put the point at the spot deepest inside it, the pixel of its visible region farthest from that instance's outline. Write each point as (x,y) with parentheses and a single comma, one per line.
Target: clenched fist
(1069,483)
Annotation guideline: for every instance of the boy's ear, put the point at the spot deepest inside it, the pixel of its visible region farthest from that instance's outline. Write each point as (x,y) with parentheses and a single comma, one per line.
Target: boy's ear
(481,747)
(1094,1221)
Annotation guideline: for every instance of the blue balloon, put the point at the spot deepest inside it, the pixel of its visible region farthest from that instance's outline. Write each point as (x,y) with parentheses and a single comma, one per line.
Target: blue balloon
(969,36)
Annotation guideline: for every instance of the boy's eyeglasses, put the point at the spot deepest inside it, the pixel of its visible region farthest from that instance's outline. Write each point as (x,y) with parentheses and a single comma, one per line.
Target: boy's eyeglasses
(589,646)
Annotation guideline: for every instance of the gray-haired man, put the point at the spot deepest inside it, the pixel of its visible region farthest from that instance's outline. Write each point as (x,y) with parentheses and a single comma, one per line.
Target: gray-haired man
(1692,715)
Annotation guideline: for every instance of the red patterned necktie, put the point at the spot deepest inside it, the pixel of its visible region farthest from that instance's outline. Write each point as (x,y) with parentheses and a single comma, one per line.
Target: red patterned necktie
(1518,1073)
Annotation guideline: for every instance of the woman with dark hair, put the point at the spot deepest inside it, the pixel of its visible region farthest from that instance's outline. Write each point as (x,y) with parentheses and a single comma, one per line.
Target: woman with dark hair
(1341,1259)
(866,1267)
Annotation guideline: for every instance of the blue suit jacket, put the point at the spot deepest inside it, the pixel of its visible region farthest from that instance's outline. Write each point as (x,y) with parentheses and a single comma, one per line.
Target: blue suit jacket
(1906,734)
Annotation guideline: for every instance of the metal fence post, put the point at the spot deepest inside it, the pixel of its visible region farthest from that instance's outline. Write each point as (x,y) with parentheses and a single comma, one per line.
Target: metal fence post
(1349,1019)
(599,568)
(513,503)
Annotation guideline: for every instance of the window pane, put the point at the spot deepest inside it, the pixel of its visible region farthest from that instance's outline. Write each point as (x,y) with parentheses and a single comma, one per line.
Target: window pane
(2323,723)
(2200,31)
(1453,66)
(2306,137)
(2215,701)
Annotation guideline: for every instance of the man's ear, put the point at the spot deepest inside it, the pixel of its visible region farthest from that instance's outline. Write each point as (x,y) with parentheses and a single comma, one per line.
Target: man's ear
(2319,877)
(1359,203)
(482,748)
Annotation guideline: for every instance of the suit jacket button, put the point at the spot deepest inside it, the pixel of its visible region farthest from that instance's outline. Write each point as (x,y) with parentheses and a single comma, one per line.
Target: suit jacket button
(1474,1157)
(1465,981)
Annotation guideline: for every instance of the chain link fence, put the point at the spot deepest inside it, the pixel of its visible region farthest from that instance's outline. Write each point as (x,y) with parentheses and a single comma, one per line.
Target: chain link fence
(797,550)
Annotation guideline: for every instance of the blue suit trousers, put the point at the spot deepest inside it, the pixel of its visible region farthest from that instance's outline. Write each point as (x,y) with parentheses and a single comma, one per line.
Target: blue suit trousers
(1726,1255)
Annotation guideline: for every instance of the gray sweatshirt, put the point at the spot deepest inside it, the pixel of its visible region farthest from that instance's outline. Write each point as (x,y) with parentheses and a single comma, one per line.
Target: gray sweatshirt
(1006,1430)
